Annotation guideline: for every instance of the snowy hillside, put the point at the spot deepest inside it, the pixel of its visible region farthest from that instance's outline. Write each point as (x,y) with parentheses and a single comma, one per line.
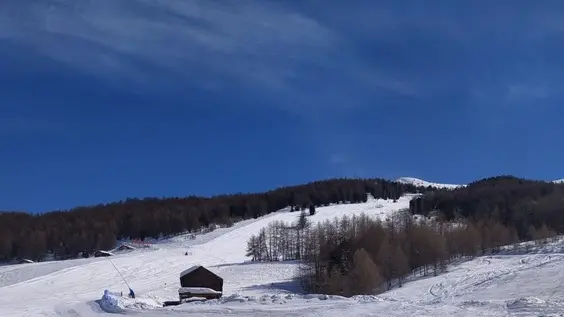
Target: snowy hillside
(424,183)
(72,287)
(419,182)
(503,285)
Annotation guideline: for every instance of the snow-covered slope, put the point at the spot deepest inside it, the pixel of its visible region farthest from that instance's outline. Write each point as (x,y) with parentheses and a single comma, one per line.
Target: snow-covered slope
(424,183)
(420,182)
(72,287)
(504,285)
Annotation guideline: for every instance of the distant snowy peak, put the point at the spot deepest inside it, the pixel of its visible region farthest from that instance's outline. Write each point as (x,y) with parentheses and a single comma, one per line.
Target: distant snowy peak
(419,182)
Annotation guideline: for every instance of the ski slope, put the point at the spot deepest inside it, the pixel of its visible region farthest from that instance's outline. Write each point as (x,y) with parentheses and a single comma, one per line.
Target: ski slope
(72,287)
(503,285)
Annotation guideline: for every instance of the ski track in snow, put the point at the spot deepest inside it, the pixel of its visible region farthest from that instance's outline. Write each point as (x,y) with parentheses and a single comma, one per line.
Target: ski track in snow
(501,285)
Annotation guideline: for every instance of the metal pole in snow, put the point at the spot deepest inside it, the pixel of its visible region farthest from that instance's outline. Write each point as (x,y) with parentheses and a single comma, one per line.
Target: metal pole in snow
(119,274)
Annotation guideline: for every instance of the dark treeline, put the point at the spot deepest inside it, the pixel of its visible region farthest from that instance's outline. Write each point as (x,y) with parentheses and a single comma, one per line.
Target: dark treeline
(65,234)
(525,205)
(361,255)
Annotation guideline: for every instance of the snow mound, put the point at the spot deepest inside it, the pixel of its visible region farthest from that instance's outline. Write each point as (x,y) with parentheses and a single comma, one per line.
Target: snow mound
(474,303)
(526,302)
(533,306)
(283,299)
(242,299)
(422,183)
(112,302)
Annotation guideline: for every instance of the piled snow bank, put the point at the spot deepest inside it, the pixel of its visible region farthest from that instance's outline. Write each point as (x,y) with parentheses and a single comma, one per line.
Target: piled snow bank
(526,302)
(284,298)
(112,302)
(529,306)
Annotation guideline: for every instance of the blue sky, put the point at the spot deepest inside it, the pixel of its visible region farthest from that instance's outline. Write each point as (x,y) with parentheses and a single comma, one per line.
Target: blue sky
(103,100)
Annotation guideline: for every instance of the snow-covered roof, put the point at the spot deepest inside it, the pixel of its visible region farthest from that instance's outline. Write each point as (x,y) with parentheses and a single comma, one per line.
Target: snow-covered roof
(105,252)
(125,246)
(198,290)
(189,270)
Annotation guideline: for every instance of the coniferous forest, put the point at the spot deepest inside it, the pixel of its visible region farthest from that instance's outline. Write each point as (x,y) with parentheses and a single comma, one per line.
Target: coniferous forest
(519,203)
(524,207)
(66,234)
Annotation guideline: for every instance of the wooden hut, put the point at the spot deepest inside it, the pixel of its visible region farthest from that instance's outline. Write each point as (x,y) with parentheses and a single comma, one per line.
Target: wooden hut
(125,247)
(197,281)
(101,253)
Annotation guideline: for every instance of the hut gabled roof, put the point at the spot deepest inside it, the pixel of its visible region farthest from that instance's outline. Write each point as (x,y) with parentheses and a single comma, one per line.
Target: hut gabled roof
(189,270)
(103,252)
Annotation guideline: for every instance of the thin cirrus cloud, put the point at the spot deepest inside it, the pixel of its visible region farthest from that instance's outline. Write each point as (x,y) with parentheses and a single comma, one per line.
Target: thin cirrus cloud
(527,91)
(317,58)
(326,55)
(255,44)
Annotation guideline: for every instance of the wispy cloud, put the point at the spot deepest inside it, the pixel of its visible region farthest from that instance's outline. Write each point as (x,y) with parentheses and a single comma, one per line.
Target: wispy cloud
(314,57)
(255,45)
(527,91)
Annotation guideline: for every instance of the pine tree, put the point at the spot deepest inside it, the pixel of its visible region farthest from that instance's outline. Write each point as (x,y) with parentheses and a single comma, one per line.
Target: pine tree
(311,210)
(302,221)
(252,248)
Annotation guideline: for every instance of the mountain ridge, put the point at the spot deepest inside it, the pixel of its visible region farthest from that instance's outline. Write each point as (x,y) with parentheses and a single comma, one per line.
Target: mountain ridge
(424,183)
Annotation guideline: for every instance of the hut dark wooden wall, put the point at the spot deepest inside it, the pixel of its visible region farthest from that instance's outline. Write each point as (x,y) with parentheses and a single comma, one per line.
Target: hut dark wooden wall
(202,277)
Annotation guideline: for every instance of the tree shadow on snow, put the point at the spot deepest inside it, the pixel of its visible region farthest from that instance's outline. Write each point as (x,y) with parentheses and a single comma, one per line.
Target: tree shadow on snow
(292,286)
(255,262)
(235,264)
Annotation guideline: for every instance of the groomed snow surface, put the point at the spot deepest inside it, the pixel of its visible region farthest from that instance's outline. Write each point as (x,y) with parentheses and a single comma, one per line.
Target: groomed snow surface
(503,285)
